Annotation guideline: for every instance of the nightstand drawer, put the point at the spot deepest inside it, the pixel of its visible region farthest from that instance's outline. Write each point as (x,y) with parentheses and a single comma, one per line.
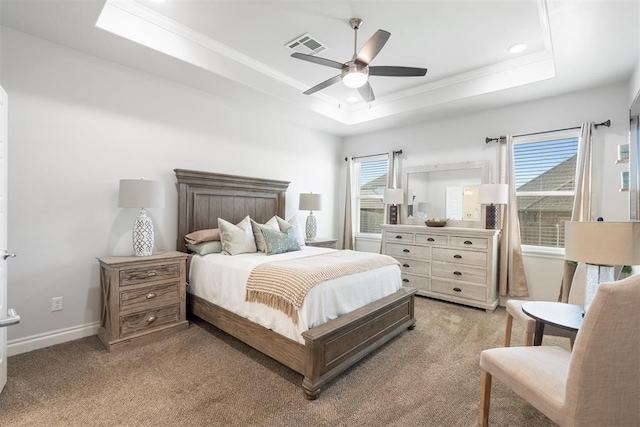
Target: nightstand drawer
(132,276)
(149,297)
(148,319)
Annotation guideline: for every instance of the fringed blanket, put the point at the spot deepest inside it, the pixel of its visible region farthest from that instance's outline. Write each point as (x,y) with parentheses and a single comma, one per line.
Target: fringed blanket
(284,284)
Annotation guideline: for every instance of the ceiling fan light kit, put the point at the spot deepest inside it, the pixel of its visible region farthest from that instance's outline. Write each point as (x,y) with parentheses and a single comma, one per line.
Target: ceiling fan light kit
(355,73)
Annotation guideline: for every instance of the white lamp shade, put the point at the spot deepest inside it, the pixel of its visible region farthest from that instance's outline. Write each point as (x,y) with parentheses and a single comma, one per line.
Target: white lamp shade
(603,243)
(393,196)
(140,193)
(310,202)
(497,194)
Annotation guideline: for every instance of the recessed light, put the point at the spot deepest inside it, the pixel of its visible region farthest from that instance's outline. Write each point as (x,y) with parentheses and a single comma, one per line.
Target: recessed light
(517,48)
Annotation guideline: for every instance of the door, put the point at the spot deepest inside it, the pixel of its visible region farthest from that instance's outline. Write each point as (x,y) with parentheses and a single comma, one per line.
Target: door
(7,317)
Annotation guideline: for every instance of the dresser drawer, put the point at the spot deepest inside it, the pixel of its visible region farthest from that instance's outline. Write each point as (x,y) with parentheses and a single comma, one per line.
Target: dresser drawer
(148,319)
(419,282)
(469,242)
(407,251)
(431,239)
(462,290)
(133,276)
(460,257)
(399,237)
(448,270)
(149,297)
(413,266)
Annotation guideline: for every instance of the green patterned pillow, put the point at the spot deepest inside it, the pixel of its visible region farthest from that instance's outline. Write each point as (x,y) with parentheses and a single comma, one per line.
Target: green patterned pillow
(278,242)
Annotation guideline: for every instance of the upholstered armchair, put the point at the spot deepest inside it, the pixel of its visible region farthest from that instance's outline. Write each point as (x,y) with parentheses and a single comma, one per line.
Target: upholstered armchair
(596,384)
(514,312)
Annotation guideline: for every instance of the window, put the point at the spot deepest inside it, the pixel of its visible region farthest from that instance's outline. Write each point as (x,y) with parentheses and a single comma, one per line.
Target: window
(545,168)
(371,178)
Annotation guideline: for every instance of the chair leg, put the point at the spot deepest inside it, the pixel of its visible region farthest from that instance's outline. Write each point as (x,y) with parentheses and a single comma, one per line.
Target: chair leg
(528,339)
(507,330)
(485,397)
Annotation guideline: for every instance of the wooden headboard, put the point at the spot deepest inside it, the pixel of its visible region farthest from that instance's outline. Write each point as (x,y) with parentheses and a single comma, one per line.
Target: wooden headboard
(204,197)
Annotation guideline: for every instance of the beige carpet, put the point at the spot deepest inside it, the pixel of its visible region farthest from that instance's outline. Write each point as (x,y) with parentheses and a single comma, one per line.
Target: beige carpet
(425,377)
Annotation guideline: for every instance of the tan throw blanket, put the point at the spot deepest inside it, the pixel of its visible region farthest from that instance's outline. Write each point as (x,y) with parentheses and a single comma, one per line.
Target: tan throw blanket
(284,284)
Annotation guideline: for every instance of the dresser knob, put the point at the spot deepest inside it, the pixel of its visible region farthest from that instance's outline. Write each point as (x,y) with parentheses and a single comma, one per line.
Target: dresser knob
(406,250)
(406,280)
(150,295)
(405,265)
(151,274)
(457,273)
(151,319)
(468,242)
(457,256)
(457,289)
(431,239)
(398,237)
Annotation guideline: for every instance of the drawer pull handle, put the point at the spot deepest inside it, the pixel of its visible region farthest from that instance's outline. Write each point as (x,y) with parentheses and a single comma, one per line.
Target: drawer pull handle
(406,250)
(457,273)
(405,265)
(457,256)
(406,280)
(457,289)
(151,319)
(150,295)
(398,237)
(468,242)
(151,274)
(431,239)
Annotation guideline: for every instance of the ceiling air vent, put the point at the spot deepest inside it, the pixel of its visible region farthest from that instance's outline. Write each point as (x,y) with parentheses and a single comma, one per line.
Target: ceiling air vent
(306,44)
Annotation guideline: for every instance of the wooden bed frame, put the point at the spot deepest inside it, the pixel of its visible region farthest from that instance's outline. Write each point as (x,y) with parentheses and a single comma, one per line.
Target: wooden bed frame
(329,349)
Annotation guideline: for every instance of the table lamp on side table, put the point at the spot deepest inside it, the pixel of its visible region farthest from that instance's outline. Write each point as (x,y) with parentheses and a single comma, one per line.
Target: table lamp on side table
(310,202)
(601,245)
(492,195)
(141,193)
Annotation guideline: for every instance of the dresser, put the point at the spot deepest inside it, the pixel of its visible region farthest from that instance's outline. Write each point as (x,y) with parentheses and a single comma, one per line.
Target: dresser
(142,298)
(449,263)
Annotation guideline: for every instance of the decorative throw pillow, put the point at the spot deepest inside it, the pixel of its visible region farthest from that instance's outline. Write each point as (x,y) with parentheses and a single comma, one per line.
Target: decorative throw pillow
(257,233)
(203,236)
(293,222)
(237,239)
(205,248)
(278,242)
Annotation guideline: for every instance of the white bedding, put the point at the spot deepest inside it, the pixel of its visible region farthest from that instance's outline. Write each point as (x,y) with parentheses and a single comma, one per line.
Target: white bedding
(221,279)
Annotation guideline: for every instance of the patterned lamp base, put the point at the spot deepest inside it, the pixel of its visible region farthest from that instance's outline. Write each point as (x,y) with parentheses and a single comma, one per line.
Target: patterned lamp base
(491,218)
(311,227)
(143,235)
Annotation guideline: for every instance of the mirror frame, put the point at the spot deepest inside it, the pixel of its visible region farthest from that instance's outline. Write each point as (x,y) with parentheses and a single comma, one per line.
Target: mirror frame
(485,170)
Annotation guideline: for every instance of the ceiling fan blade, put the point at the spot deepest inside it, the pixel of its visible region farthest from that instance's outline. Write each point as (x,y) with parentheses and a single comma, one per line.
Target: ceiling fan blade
(372,47)
(324,84)
(390,71)
(318,60)
(367,93)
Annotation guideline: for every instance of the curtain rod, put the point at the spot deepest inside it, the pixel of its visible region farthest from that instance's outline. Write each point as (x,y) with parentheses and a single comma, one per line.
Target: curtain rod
(346,159)
(606,123)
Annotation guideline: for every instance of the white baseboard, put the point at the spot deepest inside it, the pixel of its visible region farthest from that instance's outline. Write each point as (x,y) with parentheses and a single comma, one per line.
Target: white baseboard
(47,339)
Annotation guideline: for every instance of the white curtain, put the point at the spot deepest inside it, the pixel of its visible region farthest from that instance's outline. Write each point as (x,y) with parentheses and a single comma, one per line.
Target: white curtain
(513,282)
(348,235)
(582,201)
(392,180)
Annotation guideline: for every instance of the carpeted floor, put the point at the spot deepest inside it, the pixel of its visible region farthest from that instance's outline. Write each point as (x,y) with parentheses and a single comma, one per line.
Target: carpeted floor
(425,377)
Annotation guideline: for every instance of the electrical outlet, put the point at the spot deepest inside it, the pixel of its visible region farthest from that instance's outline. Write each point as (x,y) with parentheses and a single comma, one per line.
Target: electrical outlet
(56,304)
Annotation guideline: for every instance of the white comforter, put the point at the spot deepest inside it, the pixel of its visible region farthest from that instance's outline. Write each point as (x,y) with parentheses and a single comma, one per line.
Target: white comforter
(221,279)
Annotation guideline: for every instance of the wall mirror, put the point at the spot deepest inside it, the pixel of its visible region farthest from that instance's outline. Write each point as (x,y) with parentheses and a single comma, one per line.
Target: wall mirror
(634,159)
(445,191)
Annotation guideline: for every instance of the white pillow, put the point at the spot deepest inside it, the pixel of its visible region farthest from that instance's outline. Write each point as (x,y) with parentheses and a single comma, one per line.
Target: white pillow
(272,224)
(293,222)
(237,239)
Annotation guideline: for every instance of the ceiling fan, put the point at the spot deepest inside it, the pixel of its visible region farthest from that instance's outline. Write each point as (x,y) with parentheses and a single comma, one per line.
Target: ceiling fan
(355,73)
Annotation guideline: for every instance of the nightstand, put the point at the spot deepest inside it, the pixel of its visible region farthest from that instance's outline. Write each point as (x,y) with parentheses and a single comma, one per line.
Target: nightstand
(322,242)
(142,298)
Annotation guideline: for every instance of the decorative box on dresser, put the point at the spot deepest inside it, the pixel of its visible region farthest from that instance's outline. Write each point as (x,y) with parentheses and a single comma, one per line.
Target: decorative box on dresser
(142,298)
(450,263)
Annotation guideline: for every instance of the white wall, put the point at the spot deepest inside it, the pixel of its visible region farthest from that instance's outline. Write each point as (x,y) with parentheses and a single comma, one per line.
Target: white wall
(462,139)
(79,124)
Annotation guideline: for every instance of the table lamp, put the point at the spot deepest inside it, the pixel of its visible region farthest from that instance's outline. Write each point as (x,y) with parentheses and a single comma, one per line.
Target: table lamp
(492,195)
(141,193)
(393,197)
(601,245)
(310,202)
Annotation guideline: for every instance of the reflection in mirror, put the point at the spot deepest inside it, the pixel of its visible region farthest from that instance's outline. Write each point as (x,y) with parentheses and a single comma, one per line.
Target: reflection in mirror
(634,159)
(445,191)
